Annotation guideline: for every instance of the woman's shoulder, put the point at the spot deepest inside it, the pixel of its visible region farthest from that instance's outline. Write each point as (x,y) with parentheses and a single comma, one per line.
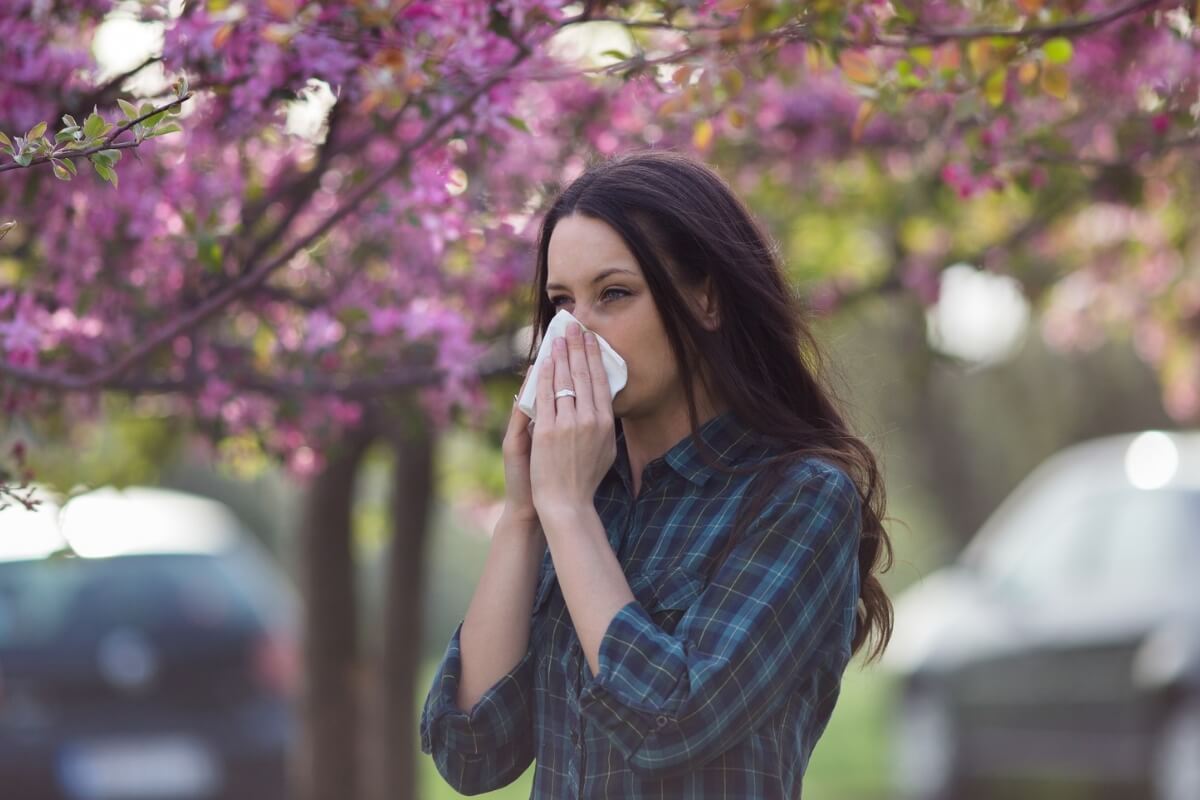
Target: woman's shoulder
(794,474)
(797,466)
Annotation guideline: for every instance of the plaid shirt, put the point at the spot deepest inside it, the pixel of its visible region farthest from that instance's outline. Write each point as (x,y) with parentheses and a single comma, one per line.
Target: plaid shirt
(705,690)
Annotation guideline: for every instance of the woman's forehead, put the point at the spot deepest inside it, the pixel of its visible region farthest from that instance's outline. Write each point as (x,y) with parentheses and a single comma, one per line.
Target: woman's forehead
(582,247)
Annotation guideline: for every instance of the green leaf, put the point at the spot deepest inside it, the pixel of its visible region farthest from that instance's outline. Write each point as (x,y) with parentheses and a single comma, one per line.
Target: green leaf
(922,55)
(36,131)
(93,126)
(66,134)
(170,127)
(129,108)
(69,164)
(903,13)
(994,87)
(23,159)
(69,121)
(210,253)
(105,171)
(112,155)
(617,54)
(517,123)
(60,171)
(150,122)
(4,140)
(1058,50)
(175,110)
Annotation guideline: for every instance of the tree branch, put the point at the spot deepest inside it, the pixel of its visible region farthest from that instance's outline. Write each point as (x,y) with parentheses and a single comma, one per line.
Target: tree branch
(355,388)
(798,30)
(250,276)
(108,144)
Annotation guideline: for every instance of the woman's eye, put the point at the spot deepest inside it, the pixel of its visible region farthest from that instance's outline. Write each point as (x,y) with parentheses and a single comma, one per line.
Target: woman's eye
(606,296)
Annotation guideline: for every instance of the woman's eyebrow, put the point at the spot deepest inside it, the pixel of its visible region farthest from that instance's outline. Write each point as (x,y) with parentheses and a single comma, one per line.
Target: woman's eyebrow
(596,279)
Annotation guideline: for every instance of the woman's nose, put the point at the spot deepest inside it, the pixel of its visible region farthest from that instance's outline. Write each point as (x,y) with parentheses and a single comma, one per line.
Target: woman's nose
(583,320)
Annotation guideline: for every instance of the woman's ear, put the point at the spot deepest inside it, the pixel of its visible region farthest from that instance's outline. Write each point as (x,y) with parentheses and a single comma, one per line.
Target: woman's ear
(706,303)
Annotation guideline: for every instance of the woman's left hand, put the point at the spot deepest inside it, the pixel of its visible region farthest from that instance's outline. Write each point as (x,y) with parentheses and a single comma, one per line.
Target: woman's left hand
(574,441)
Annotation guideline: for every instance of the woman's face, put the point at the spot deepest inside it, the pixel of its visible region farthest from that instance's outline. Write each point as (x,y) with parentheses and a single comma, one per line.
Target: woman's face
(593,275)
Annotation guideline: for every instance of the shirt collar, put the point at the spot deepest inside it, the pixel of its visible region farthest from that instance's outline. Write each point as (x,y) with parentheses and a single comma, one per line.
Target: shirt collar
(725,433)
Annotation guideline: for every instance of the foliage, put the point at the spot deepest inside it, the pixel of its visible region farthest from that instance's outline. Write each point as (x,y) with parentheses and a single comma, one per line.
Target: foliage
(267,283)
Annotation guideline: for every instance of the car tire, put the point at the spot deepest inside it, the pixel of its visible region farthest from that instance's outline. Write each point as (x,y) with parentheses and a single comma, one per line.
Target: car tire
(927,758)
(1175,766)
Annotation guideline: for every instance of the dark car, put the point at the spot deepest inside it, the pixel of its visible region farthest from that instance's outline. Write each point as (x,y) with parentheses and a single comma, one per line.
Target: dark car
(147,650)
(1063,646)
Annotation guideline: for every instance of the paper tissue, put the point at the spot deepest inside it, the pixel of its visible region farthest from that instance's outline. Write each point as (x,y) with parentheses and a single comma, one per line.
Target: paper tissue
(614,365)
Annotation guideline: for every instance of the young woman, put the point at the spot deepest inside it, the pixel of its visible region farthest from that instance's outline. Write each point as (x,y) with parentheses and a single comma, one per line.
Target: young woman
(682,572)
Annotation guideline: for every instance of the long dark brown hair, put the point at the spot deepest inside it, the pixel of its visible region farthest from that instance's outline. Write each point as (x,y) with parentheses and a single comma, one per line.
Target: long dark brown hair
(685,225)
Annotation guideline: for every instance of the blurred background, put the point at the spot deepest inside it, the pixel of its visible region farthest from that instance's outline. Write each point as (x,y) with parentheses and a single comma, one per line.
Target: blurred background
(258,385)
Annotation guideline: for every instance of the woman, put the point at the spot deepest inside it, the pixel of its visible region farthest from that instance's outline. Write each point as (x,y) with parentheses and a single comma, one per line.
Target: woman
(681,573)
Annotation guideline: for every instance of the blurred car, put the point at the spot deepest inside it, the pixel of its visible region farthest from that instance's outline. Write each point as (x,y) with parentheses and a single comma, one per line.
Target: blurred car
(1063,645)
(147,650)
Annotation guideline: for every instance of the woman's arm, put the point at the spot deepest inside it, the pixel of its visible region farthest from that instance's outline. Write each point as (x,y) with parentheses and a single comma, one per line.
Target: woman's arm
(593,584)
(495,630)
(671,702)
(478,716)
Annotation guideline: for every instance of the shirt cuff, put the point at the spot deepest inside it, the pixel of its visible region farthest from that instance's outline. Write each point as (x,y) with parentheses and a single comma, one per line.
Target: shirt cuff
(640,668)
(499,715)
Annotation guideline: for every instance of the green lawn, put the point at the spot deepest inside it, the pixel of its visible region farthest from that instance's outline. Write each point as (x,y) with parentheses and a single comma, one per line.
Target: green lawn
(849,763)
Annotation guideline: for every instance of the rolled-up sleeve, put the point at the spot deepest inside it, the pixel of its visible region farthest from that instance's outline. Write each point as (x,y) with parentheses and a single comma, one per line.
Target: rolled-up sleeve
(671,702)
(491,745)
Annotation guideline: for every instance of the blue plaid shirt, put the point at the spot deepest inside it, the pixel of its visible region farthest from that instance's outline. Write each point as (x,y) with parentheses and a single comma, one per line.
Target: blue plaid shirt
(705,689)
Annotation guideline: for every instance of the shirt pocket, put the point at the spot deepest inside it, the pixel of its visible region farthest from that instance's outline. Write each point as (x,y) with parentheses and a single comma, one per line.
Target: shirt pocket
(667,594)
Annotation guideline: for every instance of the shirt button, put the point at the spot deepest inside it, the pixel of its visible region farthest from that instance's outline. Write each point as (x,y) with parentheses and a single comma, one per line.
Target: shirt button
(661,721)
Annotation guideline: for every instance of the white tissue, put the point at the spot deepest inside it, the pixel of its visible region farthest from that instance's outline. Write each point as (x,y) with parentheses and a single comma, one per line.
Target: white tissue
(614,365)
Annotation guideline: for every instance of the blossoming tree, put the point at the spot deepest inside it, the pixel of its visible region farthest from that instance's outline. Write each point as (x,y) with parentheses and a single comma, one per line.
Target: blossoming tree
(291,289)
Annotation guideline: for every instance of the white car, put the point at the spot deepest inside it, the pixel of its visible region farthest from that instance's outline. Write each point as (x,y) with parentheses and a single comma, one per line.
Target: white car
(1063,645)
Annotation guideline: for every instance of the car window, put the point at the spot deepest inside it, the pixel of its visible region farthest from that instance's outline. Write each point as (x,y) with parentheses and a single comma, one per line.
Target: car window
(1153,538)
(1121,541)
(64,600)
(1055,555)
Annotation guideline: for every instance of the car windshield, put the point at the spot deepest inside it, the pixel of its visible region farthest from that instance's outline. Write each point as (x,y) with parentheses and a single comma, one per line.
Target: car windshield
(59,601)
(1129,540)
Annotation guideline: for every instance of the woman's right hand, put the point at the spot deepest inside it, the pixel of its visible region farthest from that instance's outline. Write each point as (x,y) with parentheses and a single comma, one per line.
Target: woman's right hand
(518,444)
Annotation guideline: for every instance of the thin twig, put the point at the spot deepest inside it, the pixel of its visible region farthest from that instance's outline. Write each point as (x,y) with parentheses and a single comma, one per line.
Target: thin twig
(108,144)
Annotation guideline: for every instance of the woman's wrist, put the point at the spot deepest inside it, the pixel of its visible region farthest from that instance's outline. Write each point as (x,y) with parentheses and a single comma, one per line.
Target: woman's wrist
(519,522)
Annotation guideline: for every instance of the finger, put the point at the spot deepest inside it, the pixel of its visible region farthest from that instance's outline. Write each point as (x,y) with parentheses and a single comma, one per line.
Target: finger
(581,376)
(564,407)
(601,392)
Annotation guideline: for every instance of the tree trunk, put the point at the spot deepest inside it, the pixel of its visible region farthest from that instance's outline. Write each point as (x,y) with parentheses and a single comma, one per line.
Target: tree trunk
(412,497)
(327,767)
